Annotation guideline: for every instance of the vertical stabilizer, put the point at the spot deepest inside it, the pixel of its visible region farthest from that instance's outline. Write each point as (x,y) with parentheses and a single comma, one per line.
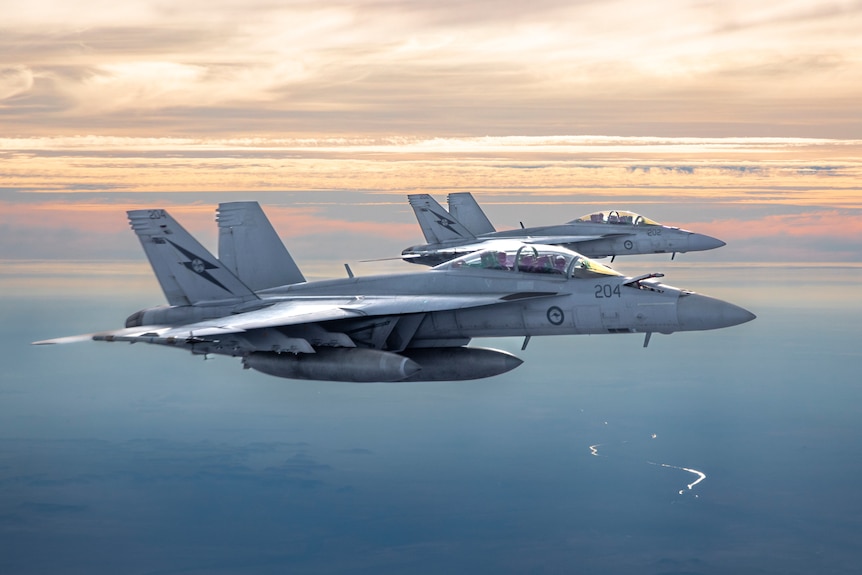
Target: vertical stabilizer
(249,247)
(436,223)
(464,208)
(187,272)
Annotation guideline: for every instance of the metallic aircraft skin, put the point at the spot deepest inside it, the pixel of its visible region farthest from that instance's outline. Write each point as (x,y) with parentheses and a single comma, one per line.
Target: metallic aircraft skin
(395,327)
(465,229)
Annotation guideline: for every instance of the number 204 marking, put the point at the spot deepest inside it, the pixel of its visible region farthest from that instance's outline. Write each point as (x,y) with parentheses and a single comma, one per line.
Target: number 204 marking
(607,290)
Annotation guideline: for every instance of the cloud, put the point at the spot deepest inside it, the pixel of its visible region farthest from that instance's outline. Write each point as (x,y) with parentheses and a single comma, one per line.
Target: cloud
(835,225)
(15,80)
(338,199)
(300,222)
(88,230)
(402,67)
(807,236)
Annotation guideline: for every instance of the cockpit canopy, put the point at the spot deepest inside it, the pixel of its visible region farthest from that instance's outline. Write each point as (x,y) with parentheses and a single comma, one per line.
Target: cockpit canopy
(615,217)
(531,258)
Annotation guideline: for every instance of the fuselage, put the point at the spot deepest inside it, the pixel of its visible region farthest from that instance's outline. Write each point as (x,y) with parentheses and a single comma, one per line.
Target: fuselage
(416,326)
(604,240)
(539,304)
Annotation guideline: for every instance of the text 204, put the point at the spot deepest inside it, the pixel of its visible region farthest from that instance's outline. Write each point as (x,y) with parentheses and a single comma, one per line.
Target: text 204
(607,290)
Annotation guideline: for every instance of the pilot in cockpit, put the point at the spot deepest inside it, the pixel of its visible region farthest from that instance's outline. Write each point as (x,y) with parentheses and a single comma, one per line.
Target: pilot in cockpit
(501,261)
(560,264)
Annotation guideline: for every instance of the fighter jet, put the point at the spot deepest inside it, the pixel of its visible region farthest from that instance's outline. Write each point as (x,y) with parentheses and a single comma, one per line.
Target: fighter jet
(465,228)
(397,327)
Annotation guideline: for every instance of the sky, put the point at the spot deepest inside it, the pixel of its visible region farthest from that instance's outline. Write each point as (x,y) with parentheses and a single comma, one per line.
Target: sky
(769,199)
(735,119)
(376,67)
(741,120)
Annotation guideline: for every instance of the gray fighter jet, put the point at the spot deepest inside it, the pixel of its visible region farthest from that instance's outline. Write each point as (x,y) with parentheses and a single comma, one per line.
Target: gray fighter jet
(465,228)
(254,303)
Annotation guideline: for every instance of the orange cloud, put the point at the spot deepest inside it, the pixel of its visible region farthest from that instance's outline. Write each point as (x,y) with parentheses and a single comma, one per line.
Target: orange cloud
(96,229)
(832,224)
(83,216)
(298,222)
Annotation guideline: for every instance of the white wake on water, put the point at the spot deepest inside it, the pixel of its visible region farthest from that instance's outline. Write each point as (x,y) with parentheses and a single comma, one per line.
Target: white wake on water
(700,474)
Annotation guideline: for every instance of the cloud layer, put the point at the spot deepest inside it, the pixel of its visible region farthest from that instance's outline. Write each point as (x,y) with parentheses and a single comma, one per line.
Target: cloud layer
(329,114)
(397,67)
(341,199)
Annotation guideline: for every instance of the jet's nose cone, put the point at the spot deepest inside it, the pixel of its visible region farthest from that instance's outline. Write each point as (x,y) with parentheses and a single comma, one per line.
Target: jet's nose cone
(701,242)
(699,312)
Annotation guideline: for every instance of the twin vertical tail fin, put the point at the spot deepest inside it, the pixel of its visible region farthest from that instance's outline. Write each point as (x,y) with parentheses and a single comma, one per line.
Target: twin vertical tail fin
(250,248)
(464,208)
(437,224)
(187,272)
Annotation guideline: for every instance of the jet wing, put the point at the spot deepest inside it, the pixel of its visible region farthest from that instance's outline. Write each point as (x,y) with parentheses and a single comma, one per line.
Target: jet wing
(300,311)
(130,331)
(503,244)
(557,240)
(462,249)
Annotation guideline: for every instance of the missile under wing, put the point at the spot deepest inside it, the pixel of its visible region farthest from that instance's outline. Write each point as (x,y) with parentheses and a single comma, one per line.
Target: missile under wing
(395,327)
(465,228)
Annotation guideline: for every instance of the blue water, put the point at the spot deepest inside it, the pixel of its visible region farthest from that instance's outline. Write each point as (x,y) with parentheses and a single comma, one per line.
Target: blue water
(119,458)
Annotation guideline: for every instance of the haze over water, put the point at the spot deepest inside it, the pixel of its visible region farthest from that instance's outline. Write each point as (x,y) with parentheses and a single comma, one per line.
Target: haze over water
(112,451)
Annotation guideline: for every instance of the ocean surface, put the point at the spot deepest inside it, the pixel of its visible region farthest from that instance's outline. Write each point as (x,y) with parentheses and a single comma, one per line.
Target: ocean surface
(731,451)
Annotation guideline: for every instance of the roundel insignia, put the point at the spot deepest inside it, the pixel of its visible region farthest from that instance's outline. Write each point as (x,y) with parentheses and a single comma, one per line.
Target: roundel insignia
(555,315)
(198,266)
(628,244)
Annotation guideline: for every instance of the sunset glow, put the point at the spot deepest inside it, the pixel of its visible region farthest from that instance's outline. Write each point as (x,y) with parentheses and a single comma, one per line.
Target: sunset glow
(741,120)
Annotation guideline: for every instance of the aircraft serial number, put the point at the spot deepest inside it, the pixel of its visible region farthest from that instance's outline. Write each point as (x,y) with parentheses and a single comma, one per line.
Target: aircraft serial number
(157,214)
(607,290)
(653,232)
